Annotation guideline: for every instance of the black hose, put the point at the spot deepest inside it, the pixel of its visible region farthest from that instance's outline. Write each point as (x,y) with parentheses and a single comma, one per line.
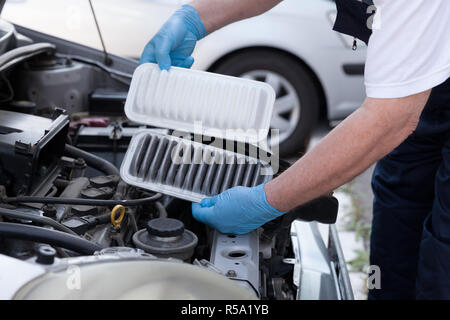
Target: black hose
(83,202)
(161,209)
(51,237)
(12,214)
(92,160)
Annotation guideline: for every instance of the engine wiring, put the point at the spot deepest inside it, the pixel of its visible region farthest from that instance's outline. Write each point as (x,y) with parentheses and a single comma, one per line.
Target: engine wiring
(85,202)
(48,236)
(16,214)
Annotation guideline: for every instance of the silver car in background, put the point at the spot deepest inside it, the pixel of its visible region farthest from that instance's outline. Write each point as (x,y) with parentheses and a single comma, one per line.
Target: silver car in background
(313,69)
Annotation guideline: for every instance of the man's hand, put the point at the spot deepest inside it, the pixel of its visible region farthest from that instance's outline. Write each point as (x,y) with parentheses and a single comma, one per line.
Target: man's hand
(236,211)
(175,41)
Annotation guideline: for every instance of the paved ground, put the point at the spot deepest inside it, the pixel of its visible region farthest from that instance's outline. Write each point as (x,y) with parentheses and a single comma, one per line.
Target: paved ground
(355,215)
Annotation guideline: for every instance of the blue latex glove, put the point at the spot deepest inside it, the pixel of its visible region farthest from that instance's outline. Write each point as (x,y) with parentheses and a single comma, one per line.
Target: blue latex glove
(236,211)
(175,41)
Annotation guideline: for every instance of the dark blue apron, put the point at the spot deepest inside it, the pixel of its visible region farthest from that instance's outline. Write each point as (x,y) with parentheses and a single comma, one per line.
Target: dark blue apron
(352,18)
(410,240)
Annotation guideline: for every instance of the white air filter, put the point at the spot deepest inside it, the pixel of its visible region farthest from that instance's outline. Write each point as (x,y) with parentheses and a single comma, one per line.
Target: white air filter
(200,102)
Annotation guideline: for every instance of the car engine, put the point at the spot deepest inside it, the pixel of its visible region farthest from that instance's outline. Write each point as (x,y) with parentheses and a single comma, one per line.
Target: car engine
(64,210)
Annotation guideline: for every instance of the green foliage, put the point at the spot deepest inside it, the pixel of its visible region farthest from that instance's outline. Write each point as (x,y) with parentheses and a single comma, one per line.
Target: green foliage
(360,263)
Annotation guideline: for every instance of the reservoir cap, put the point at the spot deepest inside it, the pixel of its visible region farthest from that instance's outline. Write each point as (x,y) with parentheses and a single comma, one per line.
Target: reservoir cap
(165,227)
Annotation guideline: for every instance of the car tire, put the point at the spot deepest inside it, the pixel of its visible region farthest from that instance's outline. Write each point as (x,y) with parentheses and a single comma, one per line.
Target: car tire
(295,79)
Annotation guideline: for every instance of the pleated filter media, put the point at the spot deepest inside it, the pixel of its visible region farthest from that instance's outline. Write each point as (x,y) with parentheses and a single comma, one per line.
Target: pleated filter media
(177,100)
(180,98)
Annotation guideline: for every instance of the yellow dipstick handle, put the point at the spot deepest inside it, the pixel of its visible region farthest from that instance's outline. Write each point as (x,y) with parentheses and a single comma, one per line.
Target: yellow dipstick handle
(116,222)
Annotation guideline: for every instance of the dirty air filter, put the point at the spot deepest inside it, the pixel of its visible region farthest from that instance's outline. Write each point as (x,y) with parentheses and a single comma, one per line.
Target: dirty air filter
(188,169)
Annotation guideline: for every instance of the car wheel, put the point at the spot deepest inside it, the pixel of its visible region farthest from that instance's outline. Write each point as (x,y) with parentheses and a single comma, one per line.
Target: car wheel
(296,108)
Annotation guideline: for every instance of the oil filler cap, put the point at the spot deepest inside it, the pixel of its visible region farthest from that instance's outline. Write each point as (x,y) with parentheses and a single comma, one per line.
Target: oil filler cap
(165,227)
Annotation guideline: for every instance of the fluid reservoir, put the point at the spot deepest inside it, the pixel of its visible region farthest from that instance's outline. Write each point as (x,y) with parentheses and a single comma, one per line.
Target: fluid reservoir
(166,238)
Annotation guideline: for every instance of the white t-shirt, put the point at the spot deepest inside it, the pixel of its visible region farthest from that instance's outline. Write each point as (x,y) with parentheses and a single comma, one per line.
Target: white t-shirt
(409,51)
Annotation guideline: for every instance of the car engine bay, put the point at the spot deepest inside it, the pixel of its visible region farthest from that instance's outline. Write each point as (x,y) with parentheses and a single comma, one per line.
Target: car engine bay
(63,135)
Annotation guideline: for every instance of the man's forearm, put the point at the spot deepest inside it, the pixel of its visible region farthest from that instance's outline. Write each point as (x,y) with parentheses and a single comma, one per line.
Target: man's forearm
(216,14)
(366,136)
